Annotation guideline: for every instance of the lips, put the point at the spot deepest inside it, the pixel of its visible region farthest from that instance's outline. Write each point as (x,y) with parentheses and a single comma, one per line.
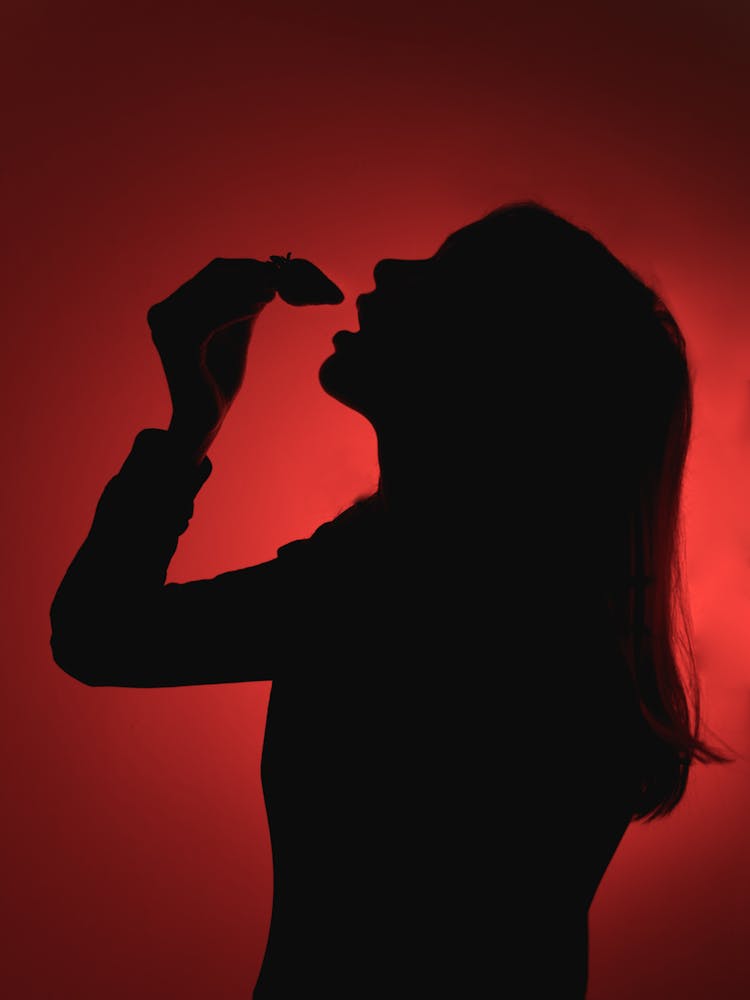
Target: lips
(343,338)
(367,307)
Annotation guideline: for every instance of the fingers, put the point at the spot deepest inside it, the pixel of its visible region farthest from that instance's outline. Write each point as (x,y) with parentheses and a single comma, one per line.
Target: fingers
(226,355)
(225,290)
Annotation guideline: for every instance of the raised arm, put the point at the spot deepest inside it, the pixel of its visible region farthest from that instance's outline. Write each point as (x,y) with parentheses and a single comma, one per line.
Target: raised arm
(114,620)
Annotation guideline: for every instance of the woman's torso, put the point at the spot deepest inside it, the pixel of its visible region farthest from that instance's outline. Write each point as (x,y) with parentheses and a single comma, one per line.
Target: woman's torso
(421,806)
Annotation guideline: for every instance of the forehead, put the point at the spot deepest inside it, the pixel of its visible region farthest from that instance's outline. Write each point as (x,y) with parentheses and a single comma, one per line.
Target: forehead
(455,241)
(464,240)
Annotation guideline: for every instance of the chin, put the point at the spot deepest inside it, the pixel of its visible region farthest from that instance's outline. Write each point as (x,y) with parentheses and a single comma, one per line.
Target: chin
(340,381)
(336,379)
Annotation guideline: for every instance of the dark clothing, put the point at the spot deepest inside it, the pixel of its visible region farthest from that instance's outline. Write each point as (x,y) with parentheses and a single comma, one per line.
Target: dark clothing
(440,810)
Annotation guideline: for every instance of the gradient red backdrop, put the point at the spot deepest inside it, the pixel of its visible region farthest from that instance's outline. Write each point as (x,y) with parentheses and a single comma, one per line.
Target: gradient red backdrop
(141,142)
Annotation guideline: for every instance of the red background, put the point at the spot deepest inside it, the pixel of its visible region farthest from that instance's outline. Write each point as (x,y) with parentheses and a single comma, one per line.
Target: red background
(140,143)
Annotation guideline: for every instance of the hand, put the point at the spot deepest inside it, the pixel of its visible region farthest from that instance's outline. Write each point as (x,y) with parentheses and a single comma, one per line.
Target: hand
(202,332)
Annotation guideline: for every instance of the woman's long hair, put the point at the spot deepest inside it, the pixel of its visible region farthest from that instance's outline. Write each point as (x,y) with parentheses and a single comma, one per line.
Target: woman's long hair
(608,364)
(653,611)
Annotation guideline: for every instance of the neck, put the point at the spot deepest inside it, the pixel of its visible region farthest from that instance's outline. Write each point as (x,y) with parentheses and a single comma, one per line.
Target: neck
(405,477)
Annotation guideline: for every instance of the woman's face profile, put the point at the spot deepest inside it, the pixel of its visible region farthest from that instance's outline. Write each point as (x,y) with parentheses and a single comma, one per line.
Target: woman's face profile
(385,364)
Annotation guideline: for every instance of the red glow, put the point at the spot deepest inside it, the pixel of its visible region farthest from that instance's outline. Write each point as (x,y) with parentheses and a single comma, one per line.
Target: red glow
(145,143)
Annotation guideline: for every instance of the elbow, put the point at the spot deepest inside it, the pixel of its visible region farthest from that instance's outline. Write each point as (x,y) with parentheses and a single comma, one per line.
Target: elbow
(71,659)
(98,655)
(71,651)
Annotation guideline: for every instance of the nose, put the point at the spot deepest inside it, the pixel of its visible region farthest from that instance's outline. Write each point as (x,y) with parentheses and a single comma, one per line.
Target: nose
(382,268)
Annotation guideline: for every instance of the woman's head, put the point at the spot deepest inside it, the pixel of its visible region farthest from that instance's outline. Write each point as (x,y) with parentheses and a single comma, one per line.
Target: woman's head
(519,307)
(524,353)
(521,337)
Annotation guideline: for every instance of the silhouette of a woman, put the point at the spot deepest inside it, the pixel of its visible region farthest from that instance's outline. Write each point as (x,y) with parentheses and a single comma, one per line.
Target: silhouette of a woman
(481,673)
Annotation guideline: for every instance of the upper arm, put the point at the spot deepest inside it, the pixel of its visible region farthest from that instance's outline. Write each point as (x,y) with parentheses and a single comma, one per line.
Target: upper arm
(232,627)
(115,621)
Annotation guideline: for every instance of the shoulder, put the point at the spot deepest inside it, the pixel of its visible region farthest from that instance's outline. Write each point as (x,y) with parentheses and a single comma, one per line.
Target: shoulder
(360,526)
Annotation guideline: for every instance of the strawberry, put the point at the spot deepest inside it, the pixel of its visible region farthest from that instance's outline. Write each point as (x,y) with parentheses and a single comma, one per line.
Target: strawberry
(301,283)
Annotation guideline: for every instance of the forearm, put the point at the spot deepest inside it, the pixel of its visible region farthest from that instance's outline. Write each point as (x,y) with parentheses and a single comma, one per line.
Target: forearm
(100,612)
(189,445)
